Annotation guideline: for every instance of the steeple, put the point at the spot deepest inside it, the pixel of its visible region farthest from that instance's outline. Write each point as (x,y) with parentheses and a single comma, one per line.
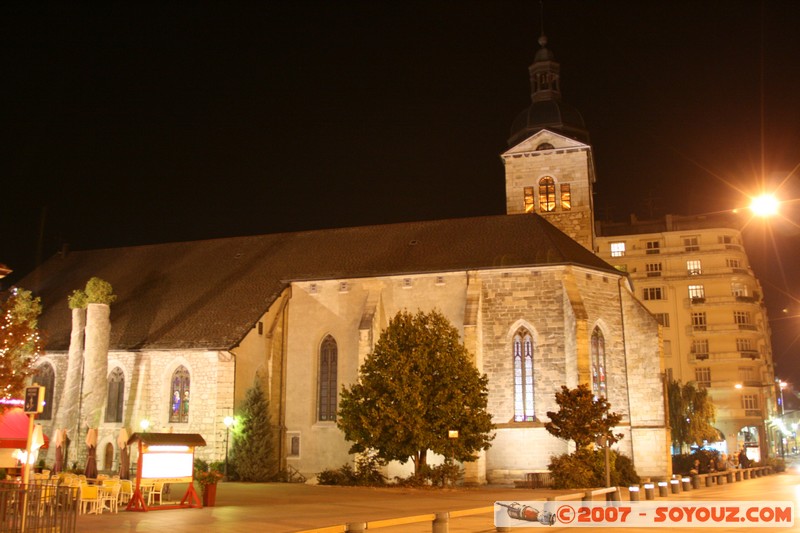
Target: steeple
(547,110)
(544,71)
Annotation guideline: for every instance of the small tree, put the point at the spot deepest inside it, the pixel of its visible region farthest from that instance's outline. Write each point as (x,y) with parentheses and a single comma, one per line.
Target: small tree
(417,385)
(691,414)
(582,418)
(20,344)
(252,450)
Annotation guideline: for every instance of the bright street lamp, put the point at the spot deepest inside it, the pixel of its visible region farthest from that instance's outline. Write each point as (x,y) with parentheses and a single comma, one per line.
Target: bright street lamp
(765,205)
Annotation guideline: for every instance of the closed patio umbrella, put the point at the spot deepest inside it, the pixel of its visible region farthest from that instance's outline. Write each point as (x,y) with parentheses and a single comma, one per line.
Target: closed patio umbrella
(59,441)
(91,460)
(124,456)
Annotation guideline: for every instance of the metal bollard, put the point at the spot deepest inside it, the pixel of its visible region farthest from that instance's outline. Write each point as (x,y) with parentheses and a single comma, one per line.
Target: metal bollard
(649,492)
(695,482)
(662,489)
(676,486)
(633,490)
(441,524)
(356,527)
(686,484)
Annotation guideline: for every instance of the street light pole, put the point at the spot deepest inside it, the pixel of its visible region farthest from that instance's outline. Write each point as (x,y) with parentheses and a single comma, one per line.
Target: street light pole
(228,421)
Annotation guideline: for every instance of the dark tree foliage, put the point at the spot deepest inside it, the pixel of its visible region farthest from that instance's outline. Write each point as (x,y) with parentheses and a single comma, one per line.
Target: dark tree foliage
(20,344)
(418,384)
(691,414)
(252,450)
(582,418)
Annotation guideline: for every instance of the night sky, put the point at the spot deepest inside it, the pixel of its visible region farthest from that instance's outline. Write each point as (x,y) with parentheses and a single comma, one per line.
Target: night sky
(129,124)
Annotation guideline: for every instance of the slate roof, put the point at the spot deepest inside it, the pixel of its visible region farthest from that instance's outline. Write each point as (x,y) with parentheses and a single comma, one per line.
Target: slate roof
(209,294)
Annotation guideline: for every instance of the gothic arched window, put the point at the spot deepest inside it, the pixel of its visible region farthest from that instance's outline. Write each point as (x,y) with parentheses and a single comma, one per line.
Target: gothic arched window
(46,377)
(598,363)
(523,376)
(326,403)
(179,396)
(116,395)
(547,194)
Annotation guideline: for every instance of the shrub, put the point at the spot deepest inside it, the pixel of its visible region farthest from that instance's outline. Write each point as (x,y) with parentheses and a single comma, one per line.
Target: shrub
(366,473)
(587,468)
(777,464)
(572,470)
(682,464)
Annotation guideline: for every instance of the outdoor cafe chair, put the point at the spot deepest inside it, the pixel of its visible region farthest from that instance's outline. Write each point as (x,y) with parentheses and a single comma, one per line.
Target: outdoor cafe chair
(110,496)
(126,490)
(90,499)
(157,489)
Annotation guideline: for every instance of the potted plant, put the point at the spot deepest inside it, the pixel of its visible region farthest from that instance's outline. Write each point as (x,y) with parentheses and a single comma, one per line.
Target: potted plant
(208,479)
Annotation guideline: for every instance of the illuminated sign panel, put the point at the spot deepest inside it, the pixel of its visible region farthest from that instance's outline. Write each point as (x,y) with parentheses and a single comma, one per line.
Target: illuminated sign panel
(167,465)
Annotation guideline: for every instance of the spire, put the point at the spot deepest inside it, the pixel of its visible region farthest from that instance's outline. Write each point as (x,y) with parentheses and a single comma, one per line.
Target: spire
(545,74)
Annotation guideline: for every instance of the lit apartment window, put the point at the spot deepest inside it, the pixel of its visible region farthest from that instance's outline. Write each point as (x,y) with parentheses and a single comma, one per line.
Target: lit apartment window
(653,293)
(653,247)
(617,249)
(653,270)
(744,345)
(697,292)
(702,375)
(750,403)
(691,244)
(693,267)
(547,195)
(747,375)
(739,289)
(528,199)
(566,197)
(699,322)
(700,348)
(663,319)
(743,320)
(733,263)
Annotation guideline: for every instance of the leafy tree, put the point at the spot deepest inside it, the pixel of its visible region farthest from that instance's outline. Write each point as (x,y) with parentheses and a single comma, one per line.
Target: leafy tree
(252,450)
(20,344)
(691,414)
(582,418)
(418,384)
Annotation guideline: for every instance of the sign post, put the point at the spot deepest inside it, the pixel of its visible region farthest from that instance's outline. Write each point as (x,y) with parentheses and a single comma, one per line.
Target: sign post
(34,404)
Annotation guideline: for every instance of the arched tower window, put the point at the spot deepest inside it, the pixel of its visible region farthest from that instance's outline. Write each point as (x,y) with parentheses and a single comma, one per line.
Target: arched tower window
(523,376)
(326,402)
(46,377)
(116,395)
(547,194)
(179,395)
(598,363)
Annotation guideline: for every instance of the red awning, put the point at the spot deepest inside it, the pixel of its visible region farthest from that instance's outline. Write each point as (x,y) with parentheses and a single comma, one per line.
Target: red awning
(14,429)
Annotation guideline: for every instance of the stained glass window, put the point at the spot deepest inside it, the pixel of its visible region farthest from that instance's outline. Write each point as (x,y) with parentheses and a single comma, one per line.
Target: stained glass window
(523,376)
(328,355)
(179,396)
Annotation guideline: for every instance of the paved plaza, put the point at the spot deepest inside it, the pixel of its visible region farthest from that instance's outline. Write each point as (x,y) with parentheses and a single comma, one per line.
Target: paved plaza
(285,508)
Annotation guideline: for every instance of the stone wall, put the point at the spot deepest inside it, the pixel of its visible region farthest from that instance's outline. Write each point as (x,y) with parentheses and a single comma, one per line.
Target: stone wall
(147,396)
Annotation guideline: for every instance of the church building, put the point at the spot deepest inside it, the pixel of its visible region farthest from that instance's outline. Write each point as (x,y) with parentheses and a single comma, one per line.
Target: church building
(196,324)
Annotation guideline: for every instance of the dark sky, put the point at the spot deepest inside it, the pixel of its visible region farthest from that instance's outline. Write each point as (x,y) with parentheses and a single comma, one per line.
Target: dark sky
(130,124)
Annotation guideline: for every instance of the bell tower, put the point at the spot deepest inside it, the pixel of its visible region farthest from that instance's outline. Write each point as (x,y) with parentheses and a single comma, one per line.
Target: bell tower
(549,164)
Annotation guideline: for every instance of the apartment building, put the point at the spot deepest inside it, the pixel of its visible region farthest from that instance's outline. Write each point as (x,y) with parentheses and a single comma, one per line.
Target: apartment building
(693,274)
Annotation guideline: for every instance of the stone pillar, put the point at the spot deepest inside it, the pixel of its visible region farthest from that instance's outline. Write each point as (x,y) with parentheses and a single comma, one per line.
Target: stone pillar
(69,403)
(95,387)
